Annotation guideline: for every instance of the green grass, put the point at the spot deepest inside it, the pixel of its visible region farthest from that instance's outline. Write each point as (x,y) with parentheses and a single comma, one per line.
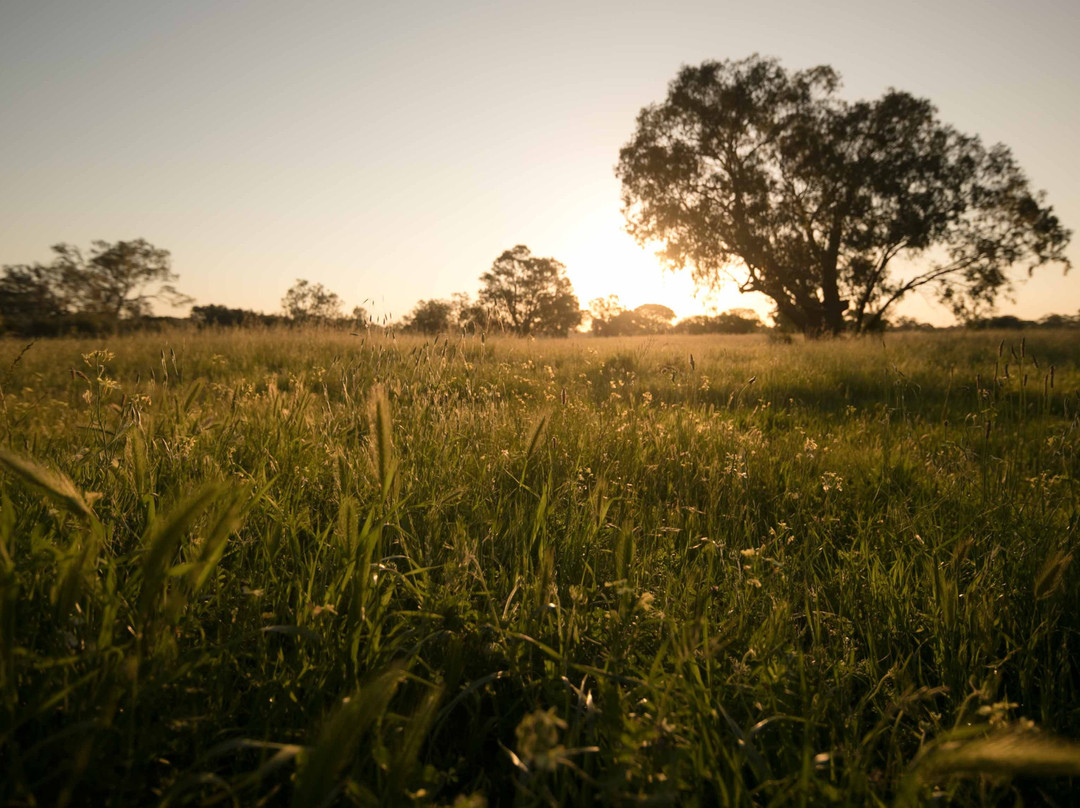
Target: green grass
(311,568)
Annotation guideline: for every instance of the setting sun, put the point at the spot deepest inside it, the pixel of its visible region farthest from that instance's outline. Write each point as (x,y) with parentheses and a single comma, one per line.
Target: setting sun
(602,259)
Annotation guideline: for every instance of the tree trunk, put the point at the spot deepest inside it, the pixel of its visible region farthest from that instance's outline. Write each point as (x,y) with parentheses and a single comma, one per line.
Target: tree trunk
(834,307)
(830,286)
(794,314)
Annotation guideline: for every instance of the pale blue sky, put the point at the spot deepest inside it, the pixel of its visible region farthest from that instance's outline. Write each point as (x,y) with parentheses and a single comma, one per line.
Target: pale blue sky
(392,150)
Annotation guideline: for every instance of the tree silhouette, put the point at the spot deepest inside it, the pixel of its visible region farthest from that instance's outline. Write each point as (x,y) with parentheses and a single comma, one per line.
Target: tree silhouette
(310,302)
(836,210)
(32,291)
(654,318)
(215,314)
(89,293)
(603,311)
(733,321)
(610,319)
(430,316)
(119,279)
(531,295)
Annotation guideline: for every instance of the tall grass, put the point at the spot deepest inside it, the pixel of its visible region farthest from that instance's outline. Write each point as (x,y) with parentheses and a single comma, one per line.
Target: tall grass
(315,568)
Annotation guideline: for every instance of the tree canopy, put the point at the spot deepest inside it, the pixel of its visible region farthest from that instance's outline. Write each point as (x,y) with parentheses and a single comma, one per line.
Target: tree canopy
(529,294)
(733,321)
(310,302)
(215,314)
(430,316)
(610,319)
(115,280)
(834,209)
(119,279)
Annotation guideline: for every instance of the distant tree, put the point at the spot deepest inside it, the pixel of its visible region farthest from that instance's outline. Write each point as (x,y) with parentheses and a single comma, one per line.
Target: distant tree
(473,316)
(627,323)
(744,314)
(904,323)
(694,324)
(360,317)
(610,319)
(430,316)
(87,293)
(835,210)
(602,311)
(1060,321)
(655,319)
(531,295)
(734,321)
(119,279)
(217,315)
(738,321)
(1001,321)
(28,291)
(309,302)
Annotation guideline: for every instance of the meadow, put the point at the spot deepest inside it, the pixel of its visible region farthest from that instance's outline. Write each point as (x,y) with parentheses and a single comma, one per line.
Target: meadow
(315,568)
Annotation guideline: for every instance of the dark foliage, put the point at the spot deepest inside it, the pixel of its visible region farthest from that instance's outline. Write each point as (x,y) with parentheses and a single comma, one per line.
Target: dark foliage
(214,314)
(430,317)
(1010,321)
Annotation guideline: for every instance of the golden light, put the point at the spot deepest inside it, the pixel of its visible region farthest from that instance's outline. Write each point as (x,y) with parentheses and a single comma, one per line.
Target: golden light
(602,259)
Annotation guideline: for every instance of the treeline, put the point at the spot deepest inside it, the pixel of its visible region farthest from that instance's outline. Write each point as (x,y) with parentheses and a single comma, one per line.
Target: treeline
(112,288)
(1008,321)
(997,322)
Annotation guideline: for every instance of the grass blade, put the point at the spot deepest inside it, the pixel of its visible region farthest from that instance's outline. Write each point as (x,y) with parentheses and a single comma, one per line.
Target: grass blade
(54,484)
(163,543)
(318,781)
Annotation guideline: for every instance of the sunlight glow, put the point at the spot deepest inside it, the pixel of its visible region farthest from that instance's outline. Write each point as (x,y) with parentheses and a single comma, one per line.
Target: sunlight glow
(602,259)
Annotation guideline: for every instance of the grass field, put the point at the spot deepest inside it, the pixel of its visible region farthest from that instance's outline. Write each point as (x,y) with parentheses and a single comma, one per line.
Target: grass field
(311,568)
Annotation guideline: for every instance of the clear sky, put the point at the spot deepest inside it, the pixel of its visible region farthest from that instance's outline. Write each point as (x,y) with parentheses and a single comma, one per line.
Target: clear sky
(392,150)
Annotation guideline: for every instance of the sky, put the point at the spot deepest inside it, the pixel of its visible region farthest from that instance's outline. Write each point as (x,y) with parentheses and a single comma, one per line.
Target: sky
(392,150)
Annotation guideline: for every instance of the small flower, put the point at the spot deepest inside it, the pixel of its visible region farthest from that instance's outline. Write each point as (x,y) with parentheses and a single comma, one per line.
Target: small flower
(831,480)
(97,358)
(538,744)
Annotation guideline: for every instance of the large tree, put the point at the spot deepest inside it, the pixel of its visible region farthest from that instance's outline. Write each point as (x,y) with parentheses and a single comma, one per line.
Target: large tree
(118,279)
(115,280)
(32,291)
(834,209)
(532,295)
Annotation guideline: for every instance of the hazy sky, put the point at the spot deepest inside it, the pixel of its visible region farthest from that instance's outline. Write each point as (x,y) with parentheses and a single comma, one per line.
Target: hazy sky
(392,150)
